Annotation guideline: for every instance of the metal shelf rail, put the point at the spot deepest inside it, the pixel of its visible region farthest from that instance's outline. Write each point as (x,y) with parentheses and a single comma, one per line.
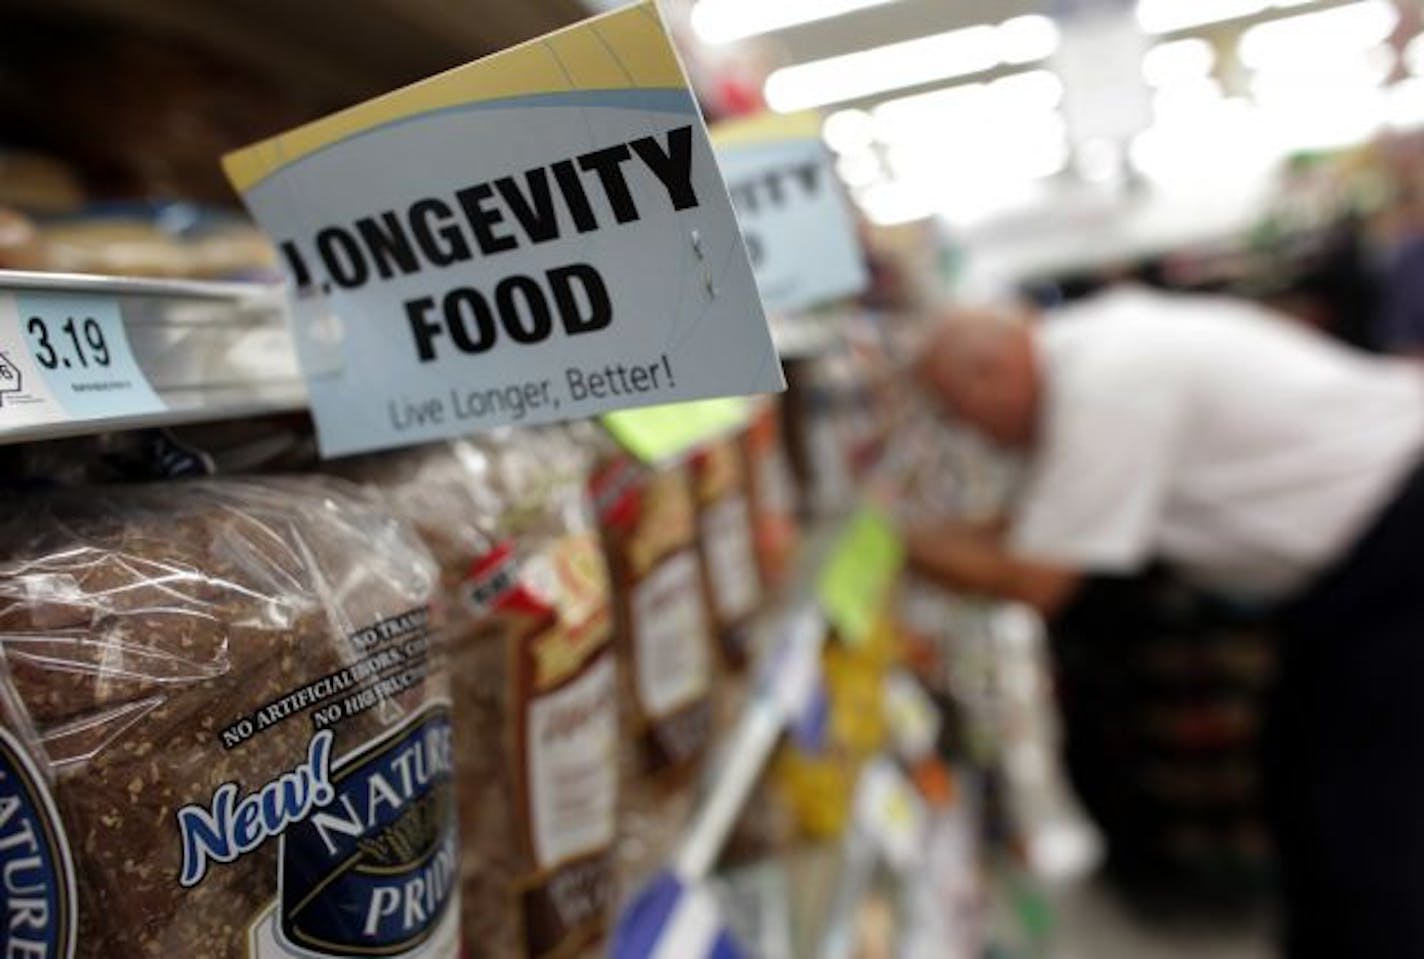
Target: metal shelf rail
(209,351)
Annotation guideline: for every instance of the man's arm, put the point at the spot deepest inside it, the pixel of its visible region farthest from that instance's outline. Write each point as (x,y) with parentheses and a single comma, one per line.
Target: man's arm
(976,560)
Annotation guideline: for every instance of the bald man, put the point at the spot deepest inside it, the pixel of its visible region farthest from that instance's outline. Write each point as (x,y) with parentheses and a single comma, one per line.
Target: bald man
(1261,461)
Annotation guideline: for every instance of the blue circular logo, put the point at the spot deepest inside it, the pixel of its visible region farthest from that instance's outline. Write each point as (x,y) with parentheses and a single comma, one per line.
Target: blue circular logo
(38,888)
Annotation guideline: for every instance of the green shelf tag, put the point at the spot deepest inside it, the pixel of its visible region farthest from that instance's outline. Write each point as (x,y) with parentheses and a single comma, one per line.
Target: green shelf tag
(656,434)
(858,576)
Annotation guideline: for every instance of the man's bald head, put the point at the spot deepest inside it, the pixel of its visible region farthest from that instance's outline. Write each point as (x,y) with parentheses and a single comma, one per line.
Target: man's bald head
(983,366)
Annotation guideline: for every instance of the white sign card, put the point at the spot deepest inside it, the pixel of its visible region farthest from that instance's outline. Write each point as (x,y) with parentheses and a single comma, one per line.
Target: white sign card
(794,213)
(541,235)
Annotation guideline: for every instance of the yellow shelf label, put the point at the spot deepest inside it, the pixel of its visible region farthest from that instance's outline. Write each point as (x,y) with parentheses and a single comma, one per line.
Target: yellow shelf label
(856,580)
(656,434)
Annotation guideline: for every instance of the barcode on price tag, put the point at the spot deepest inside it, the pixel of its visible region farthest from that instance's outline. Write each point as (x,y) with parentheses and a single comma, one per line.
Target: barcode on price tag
(65,357)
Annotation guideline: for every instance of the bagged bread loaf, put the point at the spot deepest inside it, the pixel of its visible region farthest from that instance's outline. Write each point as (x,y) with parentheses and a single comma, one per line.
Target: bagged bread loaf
(666,654)
(771,488)
(525,610)
(225,727)
(727,547)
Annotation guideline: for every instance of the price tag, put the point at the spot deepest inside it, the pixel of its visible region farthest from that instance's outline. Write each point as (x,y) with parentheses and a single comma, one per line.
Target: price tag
(792,209)
(657,434)
(65,357)
(856,581)
(542,235)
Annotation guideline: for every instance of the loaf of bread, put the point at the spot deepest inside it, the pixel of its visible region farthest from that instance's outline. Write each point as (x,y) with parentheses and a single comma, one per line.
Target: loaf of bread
(666,655)
(227,714)
(728,547)
(526,613)
(772,489)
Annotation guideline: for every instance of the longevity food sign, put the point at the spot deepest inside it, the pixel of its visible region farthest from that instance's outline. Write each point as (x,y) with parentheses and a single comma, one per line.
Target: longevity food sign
(541,235)
(794,215)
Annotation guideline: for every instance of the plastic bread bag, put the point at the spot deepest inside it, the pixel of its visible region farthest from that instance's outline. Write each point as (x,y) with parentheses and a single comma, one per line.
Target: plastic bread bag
(727,547)
(525,611)
(666,652)
(227,727)
(771,487)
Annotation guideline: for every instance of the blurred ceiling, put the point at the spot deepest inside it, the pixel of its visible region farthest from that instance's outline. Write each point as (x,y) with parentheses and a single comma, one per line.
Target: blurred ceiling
(893,22)
(901,20)
(340,50)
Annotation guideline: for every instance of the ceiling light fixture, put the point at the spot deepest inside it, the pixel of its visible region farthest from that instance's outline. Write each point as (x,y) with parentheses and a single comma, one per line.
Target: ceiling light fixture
(1027,39)
(881,69)
(849,131)
(1179,62)
(943,56)
(1312,39)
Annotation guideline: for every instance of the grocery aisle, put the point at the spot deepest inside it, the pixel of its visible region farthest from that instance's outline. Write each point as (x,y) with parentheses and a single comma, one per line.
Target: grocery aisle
(554,479)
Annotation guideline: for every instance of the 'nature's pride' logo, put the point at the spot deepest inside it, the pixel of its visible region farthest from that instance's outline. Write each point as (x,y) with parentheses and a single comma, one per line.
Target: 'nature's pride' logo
(369,855)
(35,862)
(372,872)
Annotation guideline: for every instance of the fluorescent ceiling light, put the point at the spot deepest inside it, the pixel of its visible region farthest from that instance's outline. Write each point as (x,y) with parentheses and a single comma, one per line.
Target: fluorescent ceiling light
(891,67)
(970,113)
(1178,61)
(1298,82)
(1017,152)
(1027,39)
(860,169)
(964,103)
(1187,100)
(979,132)
(724,21)
(910,63)
(1406,104)
(1314,38)
(1031,90)
(1321,123)
(1171,150)
(849,131)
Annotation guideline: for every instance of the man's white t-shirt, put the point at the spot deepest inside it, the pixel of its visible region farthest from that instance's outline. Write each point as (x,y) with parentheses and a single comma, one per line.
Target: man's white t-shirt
(1243,449)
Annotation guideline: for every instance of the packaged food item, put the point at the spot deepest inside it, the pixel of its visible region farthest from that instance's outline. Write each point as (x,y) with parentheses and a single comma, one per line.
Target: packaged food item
(226,726)
(814,433)
(37,183)
(728,555)
(160,240)
(817,779)
(113,245)
(666,652)
(758,905)
(771,488)
(526,615)
(20,245)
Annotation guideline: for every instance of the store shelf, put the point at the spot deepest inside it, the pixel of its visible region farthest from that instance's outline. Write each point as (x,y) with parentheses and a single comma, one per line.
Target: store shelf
(219,351)
(211,351)
(775,639)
